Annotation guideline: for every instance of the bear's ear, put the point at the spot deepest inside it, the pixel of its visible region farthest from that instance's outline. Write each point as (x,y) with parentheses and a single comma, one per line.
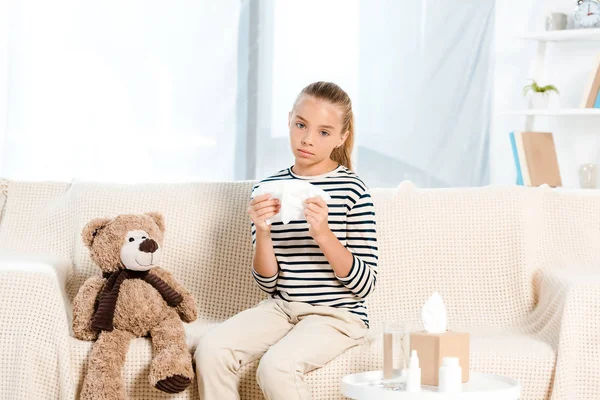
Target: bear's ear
(158,218)
(91,230)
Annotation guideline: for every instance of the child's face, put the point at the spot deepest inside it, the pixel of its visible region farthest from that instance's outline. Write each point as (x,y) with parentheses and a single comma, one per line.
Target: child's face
(315,130)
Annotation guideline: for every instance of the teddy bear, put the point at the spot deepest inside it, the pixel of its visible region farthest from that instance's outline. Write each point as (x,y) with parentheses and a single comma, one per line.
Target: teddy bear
(135,297)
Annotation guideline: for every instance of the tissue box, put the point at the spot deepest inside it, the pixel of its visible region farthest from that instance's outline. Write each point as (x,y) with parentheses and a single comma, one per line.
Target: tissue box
(432,347)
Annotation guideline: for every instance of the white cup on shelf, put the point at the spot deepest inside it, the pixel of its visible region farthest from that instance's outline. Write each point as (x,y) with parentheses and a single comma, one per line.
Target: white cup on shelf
(556,22)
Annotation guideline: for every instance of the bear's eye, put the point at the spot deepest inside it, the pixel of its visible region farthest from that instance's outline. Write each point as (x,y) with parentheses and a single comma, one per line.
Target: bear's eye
(131,239)
(143,237)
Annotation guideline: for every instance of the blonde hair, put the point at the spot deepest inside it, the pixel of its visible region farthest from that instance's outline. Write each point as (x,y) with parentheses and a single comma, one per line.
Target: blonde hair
(335,95)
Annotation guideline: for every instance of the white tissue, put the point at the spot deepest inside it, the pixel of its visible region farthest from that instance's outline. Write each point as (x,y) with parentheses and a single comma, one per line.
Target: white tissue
(291,195)
(434,314)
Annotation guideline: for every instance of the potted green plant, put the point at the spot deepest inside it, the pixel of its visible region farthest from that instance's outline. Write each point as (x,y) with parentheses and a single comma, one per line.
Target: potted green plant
(539,96)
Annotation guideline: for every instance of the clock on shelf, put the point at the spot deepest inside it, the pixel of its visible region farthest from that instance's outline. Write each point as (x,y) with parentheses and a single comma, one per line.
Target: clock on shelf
(587,14)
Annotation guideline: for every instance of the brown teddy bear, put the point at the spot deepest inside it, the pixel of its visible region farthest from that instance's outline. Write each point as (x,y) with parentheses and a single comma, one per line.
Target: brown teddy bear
(133,298)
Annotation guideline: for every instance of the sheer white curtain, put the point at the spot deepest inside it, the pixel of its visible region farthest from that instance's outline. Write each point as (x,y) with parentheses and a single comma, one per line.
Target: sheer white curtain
(419,74)
(425,110)
(125,91)
(200,90)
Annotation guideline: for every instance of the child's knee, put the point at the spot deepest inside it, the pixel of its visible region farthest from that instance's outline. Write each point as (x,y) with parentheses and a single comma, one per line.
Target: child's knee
(274,368)
(211,353)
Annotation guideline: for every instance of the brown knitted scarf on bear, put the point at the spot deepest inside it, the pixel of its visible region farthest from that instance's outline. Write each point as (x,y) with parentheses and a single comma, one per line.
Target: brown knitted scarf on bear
(105,312)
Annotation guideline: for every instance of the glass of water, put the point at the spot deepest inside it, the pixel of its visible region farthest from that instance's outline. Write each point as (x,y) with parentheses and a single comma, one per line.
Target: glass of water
(396,349)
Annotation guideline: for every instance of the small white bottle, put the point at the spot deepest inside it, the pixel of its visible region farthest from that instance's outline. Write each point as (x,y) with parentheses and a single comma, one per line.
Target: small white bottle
(413,376)
(450,376)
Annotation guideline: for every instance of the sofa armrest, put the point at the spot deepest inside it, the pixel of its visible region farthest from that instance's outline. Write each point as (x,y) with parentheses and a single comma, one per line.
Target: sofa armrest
(53,269)
(567,317)
(34,327)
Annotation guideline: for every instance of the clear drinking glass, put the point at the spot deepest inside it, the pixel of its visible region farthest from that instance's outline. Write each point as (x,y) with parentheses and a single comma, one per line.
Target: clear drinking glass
(396,349)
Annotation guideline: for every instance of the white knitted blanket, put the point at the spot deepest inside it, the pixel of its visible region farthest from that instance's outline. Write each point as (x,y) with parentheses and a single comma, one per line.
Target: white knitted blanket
(517,267)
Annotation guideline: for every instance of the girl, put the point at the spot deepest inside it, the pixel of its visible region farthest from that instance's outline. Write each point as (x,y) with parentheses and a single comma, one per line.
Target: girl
(317,271)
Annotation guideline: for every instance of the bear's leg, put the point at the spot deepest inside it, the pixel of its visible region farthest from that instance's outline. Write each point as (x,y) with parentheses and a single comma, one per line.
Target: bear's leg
(171,370)
(103,379)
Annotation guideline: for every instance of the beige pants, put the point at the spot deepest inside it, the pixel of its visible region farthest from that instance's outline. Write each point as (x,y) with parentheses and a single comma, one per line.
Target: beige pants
(292,338)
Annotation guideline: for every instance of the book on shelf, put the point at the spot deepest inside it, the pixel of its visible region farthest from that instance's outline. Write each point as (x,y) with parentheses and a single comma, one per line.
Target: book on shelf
(591,92)
(521,155)
(516,158)
(535,159)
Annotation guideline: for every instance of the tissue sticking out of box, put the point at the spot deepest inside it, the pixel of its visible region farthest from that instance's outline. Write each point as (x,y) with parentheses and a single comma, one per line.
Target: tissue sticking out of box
(434,314)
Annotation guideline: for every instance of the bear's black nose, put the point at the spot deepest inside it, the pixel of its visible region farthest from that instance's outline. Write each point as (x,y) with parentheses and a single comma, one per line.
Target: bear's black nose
(149,246)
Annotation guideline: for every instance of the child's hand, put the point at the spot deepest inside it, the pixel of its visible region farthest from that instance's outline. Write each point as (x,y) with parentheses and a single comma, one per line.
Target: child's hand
(262,208)
(317,215)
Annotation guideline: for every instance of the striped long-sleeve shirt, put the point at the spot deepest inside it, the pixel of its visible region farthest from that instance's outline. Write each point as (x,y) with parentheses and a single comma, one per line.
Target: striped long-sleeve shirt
(304,274)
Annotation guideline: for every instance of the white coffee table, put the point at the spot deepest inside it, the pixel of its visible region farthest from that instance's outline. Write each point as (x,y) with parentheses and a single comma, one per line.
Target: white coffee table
(367,386)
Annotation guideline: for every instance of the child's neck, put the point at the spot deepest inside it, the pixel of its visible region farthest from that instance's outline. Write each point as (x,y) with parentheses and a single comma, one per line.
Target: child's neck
(315,169)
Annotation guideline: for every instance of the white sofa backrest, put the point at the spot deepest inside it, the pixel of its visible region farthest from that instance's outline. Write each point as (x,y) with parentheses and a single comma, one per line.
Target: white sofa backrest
(478,247)
(470,245)
(36,218)
(567,231)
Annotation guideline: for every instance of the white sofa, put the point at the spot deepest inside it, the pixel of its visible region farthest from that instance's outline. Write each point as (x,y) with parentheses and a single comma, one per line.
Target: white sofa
(517,267)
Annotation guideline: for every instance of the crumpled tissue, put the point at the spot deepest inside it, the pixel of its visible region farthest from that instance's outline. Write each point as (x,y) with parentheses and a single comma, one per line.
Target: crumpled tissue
(291,195)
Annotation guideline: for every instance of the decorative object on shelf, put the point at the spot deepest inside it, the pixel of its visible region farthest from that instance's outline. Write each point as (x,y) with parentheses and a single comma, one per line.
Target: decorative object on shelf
(591,92)
(539,96)
(556,21)
(588,175)
(587,14)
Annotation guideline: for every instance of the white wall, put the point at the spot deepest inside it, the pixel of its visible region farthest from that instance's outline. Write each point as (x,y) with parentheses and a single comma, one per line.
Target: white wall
(568,67)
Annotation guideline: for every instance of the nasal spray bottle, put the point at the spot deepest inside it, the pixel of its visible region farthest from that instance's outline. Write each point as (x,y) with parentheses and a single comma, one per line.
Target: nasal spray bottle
(413,377)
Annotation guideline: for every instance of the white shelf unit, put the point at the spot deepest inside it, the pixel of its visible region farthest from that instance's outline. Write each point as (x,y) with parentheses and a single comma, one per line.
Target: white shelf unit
(560,112)
(566,35)
(542,38)
(561,38)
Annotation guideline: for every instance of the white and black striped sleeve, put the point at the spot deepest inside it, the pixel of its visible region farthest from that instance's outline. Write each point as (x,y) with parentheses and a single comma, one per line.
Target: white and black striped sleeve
(361,241)
(267,284)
